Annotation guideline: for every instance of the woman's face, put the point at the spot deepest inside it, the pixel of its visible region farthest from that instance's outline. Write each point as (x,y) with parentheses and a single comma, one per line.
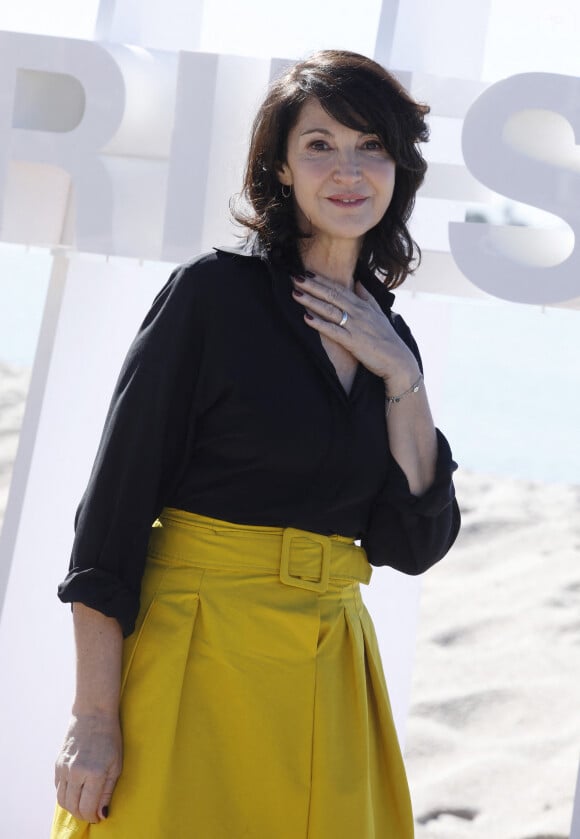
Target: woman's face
(342,180)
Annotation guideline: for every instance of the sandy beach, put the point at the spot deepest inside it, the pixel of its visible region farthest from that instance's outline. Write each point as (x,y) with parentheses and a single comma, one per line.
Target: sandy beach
(493,737)
(494,733)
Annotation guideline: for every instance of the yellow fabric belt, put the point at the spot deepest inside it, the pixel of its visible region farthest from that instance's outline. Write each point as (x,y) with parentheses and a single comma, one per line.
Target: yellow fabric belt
(300,558)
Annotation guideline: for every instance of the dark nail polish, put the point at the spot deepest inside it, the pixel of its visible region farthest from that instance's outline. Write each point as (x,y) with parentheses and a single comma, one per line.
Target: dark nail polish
(105,812)
(309,274)
(297,293)
(308,316)
(299,278)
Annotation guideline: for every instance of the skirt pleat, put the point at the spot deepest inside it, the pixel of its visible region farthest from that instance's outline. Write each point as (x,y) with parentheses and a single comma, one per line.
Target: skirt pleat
(250,708)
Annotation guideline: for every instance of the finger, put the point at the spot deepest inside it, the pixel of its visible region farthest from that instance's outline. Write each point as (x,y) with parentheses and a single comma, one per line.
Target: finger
(328,291)
(328,311)
(90,798)
(361,291)
(365,295)
(61,786)
(106,796)
(331,330)
(71,798)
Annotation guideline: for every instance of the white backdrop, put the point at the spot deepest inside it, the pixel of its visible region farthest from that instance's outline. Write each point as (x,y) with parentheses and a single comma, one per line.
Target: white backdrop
(129,170)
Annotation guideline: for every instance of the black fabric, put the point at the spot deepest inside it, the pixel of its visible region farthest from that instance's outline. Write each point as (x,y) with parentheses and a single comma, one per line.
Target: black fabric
(228,406)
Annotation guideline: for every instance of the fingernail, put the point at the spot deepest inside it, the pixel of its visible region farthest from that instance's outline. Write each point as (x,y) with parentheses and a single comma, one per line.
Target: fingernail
(105,812)
(297,293)
(299,278)
(308,316)
(309,274)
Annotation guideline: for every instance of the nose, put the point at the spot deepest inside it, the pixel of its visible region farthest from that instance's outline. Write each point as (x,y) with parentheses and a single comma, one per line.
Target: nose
(347,170)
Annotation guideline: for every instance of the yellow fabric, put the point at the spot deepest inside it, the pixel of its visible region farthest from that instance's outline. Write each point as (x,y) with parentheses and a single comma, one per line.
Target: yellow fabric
(253,708)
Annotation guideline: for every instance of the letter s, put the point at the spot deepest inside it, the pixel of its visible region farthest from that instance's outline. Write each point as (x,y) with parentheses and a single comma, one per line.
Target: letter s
(497,152)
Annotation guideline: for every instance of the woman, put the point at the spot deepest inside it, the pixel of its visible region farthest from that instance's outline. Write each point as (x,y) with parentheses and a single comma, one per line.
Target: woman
(270,411)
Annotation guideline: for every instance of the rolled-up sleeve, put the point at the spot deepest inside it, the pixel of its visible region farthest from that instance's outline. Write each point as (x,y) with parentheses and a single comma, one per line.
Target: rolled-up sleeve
(409,532)
(143,445)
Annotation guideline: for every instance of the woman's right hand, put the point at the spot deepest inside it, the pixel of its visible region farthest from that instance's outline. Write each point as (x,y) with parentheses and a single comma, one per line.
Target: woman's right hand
(89,765)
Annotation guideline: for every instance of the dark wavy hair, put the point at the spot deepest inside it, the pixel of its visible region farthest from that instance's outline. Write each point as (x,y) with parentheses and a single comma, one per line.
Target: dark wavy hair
(362,95)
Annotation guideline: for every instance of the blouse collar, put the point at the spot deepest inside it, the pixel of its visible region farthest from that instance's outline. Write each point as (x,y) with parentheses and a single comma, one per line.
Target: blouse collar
(293,313)
(251,250)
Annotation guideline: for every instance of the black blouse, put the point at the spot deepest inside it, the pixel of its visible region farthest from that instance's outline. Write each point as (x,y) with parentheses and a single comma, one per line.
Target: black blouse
(228,406)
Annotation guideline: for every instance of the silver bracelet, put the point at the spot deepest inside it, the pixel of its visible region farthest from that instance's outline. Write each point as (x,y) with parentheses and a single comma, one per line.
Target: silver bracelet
(395,399)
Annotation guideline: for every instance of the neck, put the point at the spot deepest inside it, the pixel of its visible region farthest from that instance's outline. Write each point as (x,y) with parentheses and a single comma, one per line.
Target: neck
(335,260)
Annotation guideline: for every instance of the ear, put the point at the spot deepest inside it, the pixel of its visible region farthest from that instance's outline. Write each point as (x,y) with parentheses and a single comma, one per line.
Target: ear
(284,174)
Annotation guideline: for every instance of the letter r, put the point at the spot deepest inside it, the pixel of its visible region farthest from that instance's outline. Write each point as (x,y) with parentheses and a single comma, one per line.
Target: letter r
(76,150)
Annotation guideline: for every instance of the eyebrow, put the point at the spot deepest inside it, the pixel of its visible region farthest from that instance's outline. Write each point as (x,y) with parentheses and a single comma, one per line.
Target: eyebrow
(316,131)
(330,134)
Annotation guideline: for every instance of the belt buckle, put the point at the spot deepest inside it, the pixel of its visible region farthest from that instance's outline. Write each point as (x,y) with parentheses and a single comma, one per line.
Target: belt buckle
(320,585)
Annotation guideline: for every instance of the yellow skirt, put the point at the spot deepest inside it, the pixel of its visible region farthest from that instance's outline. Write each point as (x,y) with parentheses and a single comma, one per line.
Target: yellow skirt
(254,704)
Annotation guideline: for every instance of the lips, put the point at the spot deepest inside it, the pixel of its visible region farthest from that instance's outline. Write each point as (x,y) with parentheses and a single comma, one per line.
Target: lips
(347,200)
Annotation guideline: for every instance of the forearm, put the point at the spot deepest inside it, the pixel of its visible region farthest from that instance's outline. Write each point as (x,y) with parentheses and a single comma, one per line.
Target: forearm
(354,319)
(412,436)
(99,645)
(90,760)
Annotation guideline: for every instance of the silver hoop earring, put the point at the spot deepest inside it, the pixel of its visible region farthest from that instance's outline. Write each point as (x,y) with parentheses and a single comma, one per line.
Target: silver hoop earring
(286,190)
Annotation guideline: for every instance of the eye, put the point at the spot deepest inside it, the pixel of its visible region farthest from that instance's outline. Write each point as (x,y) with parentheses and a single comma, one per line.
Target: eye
(373,144)
(318,145)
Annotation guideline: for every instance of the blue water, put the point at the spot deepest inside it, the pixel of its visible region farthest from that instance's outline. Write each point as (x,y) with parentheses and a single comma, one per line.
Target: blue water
(511,393)
(512,390)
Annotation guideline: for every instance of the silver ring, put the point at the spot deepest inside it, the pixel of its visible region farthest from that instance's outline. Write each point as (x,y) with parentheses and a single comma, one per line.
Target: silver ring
(344,318)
